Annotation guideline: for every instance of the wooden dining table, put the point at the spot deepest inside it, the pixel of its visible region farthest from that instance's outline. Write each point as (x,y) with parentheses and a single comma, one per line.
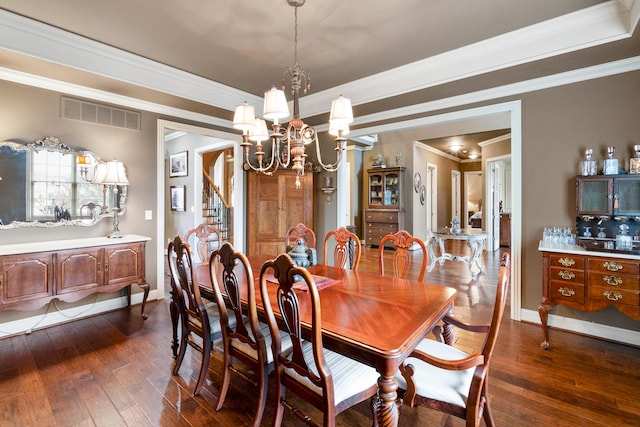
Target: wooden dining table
(377,320)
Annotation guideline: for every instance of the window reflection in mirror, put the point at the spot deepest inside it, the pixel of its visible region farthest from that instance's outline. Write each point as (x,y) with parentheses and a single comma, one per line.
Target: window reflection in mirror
(47,183)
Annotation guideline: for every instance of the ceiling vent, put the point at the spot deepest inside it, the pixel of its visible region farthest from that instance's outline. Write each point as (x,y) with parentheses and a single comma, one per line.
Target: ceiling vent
(76,109)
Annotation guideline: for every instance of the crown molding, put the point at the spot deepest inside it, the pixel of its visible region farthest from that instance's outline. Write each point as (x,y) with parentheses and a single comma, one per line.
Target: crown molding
(602,23)
(596,25)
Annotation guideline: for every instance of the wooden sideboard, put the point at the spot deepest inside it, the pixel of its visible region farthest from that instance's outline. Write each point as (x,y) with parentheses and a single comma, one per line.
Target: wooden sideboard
(589,281)
(32,274)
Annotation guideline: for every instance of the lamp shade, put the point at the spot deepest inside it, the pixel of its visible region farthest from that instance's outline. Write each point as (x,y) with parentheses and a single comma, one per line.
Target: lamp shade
(115,174)
(100,173)
(275,105)
(341,110)
(259,132)
(244,118)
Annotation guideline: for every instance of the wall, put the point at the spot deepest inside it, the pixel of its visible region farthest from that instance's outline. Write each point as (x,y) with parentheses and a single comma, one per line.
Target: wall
(557,126)
(28,114)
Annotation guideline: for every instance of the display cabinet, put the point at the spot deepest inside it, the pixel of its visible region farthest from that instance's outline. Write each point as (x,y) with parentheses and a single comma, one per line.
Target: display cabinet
(385,212)
(613,195)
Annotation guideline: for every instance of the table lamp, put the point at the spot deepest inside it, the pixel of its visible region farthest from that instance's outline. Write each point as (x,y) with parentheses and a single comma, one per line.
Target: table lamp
(114,174)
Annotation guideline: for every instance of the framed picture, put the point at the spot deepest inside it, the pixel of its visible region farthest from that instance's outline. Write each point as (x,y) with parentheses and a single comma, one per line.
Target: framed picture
(178,194)
(178,164)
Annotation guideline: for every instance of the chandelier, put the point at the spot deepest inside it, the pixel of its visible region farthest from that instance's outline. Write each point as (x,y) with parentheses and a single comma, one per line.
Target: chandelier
(288,141)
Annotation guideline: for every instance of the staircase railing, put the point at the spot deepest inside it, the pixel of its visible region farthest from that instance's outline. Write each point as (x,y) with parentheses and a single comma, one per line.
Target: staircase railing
(216,210)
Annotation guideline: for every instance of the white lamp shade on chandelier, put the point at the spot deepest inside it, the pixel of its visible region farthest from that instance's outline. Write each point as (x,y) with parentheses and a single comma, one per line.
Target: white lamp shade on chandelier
(289,141)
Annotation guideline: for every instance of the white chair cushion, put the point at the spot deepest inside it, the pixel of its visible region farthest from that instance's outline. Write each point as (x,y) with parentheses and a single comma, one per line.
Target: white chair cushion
(349,376)
(214,318)
(285,343)
(436,383)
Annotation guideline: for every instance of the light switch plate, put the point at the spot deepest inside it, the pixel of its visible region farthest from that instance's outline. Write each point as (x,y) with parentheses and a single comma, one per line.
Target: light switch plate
(148,215)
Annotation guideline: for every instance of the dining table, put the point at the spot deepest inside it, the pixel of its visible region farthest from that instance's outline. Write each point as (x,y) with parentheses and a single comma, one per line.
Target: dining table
(374,319)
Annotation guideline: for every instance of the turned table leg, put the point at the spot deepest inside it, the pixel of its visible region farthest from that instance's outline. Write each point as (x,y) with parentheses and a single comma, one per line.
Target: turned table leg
(385,404)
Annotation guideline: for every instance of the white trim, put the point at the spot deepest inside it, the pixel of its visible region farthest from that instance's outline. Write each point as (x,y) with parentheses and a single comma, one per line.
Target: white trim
(609,333)
(39,321)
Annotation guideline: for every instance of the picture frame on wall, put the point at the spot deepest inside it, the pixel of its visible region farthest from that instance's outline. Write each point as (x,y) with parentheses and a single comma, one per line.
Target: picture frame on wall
(178,194)
(178,164)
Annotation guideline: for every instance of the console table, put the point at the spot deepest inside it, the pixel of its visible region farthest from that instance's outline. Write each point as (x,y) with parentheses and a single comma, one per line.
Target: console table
(32,274)
(475,241)
(588,281)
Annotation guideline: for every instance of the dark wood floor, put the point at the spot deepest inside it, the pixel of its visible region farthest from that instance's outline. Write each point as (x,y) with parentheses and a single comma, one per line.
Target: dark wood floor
(115,370)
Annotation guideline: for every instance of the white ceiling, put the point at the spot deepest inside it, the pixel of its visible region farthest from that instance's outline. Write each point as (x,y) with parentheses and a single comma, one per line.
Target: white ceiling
(384,55)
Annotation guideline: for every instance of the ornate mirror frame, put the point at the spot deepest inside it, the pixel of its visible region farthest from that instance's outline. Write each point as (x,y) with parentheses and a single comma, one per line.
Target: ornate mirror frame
(90,201)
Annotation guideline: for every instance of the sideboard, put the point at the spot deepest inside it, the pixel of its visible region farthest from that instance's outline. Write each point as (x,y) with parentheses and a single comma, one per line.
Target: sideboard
(33,274)
(588,281)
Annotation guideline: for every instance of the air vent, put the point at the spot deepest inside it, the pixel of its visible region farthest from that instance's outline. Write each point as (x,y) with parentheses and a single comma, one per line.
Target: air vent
(76,109)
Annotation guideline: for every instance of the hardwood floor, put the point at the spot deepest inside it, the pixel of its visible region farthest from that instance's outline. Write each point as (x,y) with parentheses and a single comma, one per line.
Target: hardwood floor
(115,370)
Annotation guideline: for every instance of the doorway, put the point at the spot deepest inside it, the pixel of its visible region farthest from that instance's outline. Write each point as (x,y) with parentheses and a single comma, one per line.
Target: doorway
(473,198)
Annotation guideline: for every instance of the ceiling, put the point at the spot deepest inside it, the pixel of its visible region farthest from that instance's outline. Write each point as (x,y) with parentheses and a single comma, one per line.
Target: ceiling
(206,56)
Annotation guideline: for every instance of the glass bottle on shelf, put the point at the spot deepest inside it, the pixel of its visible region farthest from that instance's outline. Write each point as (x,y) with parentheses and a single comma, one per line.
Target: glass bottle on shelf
(611,164)
(634,162)
(588,166)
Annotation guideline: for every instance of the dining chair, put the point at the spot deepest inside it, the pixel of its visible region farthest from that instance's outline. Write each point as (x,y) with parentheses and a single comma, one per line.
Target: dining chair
(199,323)
(327,380)
(402,259)
(347,250)
(305,235)
(206,238)
(248,341)
(438,376)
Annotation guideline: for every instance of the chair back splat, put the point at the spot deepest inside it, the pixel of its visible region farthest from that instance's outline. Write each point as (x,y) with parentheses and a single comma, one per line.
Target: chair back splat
(440,377)
(329,381)
(402,259)
(346,253)
(207,239)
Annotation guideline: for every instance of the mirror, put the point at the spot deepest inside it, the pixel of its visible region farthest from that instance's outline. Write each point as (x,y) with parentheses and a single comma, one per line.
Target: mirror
(48,184)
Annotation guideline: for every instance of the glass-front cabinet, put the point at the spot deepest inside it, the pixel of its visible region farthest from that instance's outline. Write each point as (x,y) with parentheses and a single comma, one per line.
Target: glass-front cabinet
(385,212)
(385,188)
(608,195)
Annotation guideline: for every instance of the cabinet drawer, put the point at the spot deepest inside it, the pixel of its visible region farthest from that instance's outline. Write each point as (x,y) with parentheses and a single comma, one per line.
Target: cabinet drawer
(566,261)
(614,296)
(380,216)
(561,291)
(614,280)
(381,228)
(567,275)
(607,265)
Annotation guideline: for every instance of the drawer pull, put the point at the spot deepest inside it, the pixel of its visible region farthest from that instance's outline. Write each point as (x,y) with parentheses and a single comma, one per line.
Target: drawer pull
(612,266)
(612,296)
(567,292)
(567,275)
(612,280)
(567,262)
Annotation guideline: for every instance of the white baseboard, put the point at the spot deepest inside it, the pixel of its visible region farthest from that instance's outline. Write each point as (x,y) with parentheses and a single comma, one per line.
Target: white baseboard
(29,324)
(583,327)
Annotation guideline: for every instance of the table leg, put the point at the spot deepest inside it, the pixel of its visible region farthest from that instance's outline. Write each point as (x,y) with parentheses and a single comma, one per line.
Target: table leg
(385,404)
(476,247)
(145,288)
(432,254)
(442,252)
(543,311)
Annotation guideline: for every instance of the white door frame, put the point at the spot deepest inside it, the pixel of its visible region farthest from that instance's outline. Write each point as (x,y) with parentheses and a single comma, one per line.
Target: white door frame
(225,140)
(455,197)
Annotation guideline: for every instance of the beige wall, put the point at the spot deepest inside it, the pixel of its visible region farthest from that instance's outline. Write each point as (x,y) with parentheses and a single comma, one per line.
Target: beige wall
(28,114)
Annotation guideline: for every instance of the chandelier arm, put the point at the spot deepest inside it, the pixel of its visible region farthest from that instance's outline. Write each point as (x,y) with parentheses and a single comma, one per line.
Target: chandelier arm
(260,168)
(340,143)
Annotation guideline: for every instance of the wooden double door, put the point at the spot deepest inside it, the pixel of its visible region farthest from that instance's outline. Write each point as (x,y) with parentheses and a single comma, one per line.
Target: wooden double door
(274,205)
